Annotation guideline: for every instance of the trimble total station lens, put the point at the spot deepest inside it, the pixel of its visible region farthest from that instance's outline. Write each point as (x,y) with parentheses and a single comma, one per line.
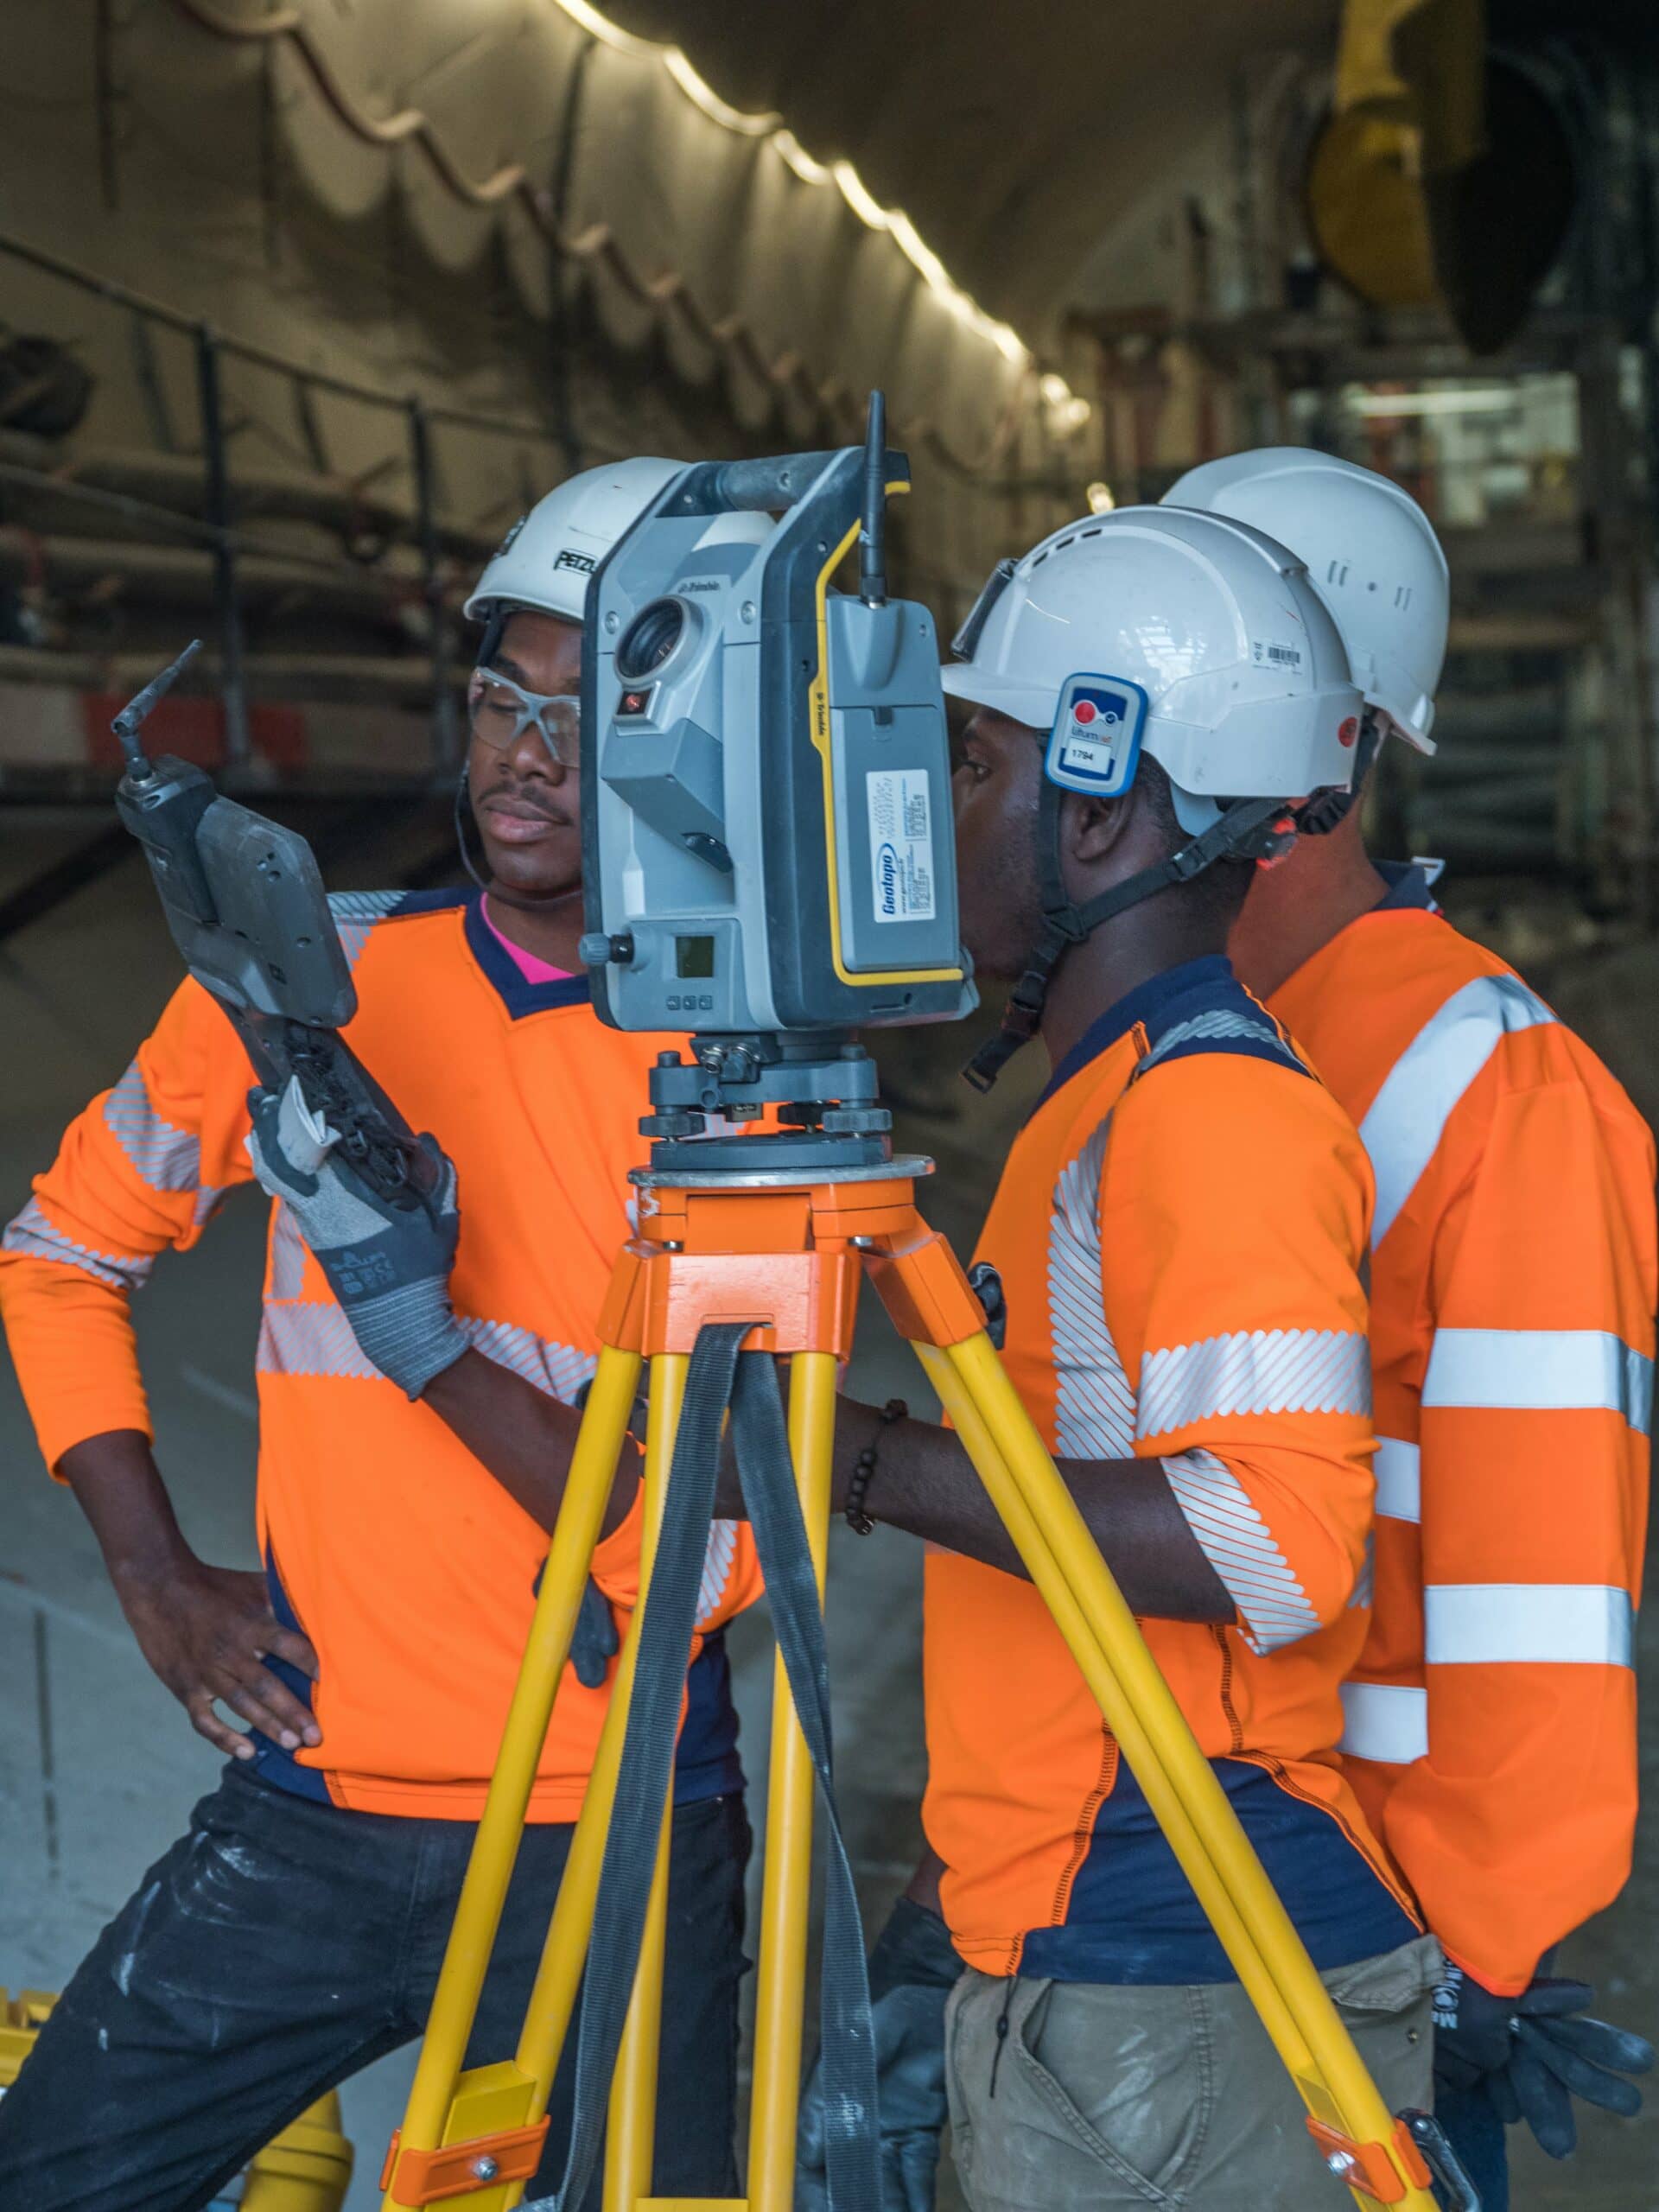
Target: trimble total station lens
(650,638)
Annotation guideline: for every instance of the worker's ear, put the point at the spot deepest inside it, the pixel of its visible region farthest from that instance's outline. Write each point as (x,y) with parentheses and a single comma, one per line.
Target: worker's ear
(1095,832)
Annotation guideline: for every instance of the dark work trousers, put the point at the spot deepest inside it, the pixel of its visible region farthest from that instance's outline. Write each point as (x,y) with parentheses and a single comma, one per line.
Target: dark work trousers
(282,1944)
(1475,2131)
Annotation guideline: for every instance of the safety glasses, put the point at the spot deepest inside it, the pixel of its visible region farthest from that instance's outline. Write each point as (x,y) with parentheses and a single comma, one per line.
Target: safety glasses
(501,712)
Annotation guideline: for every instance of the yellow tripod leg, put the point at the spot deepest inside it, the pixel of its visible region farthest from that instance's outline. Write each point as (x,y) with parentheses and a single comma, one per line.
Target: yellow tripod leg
(1079,1631)
(552,2000)
(1191,1807)
(308,2168)
(780,1980)
(631,2141)
(428,2117)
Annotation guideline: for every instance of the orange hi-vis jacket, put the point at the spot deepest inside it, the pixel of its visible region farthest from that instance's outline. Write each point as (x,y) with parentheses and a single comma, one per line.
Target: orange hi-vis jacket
(408,1565)
(1180,1230)
(1491,1720)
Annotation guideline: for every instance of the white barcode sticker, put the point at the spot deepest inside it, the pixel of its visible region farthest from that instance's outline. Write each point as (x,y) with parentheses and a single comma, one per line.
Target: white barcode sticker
(901,844)
(1269,653)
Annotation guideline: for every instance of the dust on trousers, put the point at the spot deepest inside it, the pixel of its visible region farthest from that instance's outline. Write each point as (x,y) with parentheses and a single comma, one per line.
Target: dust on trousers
(280,1945)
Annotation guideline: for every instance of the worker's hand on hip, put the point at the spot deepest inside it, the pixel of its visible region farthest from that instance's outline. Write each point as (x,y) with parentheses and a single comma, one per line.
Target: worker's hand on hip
(209,1632)
(1536,2052)
(387,1262)
(913,1969)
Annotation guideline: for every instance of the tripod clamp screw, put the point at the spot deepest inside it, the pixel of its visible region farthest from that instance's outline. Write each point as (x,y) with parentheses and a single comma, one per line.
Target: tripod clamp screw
(857,1120)
(486,2167)
(677,1123)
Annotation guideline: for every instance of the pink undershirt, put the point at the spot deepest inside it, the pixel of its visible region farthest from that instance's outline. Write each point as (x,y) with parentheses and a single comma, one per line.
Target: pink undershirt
(532,969)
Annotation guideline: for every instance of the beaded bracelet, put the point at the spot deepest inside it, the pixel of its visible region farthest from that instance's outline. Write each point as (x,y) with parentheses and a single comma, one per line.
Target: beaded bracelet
(864,1468)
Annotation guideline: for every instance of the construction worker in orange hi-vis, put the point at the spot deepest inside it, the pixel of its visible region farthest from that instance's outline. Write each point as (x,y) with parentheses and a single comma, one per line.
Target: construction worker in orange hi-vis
(413,1454)
(1179,1235)
(1491,1720)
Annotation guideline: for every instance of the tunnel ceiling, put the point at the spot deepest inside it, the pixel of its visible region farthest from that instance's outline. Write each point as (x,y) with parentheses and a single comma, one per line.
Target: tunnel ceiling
(1013,137)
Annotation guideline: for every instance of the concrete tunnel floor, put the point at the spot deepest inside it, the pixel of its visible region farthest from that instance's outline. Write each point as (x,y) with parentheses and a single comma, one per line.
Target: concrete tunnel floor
(98,1766)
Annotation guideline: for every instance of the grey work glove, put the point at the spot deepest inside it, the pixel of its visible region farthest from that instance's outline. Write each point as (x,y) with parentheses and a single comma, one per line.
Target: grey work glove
(913,1968)
(388,1263)
(1536,2053)
(594,1641)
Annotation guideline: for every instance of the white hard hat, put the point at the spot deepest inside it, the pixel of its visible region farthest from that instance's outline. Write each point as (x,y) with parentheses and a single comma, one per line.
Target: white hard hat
(546,558)
(1372,556)
(1247,688)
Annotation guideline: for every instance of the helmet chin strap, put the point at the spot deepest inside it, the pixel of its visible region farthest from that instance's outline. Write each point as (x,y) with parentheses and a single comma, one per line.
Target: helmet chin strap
(495,623)
(1251,829)
(1326,810)
(462,799)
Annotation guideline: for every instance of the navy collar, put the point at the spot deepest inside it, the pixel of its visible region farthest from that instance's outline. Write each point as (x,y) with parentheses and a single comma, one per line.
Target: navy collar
(507,978)
(1144,1003)
(1409,886)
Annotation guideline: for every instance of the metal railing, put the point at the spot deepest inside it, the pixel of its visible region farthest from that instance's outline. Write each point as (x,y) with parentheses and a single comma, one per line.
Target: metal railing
(219,533)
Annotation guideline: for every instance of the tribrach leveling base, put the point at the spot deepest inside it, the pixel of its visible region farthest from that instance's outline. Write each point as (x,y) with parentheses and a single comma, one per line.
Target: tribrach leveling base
(783,1252)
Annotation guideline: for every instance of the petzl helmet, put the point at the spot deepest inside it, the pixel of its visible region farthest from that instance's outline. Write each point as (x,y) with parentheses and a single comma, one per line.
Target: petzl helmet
(545,560)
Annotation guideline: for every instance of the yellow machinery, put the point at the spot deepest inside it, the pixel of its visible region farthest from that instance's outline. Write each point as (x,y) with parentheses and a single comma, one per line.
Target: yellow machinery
(308,2168)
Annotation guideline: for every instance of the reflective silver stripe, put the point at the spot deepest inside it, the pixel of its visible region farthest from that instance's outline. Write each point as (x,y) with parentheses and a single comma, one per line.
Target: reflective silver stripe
(30,1231)
(557,1369)
(1094,1416)
(1095,1413)
(1540,1370)
(716,1568)
(1399,1480)
(355,914)
(168,1158)
(1408,1115)
(300,1337)
(1265,1371)
(364,906)
(287,1254)
(1222,1021)
(1385,1720)
(206,1205)
(1552,1623)
(306,1339)
(1239,1544)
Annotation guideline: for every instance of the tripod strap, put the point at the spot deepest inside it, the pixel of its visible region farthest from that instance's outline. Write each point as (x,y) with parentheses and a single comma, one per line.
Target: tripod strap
(666,1626)
(716,1377)
(847,2043)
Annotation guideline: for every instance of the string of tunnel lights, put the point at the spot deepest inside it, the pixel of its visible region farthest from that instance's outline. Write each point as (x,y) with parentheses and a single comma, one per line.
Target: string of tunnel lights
(1067,412)
(666,290)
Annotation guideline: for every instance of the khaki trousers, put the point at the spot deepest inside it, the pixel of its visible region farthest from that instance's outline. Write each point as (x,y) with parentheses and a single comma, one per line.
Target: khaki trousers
(1101,2094)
